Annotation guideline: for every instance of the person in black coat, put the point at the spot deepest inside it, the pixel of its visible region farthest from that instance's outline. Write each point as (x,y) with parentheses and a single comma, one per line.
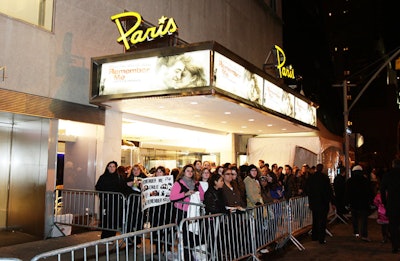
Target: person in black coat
(320,195)
(339,186)
(214,204)
(390,194)
(213,198)
(134,209)
(111,205)
(359,195)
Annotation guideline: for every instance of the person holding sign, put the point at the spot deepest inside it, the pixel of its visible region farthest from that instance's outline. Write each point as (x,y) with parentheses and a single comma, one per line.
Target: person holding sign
(160,209)
(161,214)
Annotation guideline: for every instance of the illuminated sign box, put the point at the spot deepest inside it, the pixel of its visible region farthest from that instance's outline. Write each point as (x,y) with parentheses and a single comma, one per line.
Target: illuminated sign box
(234,78)
(178,70)
(277,99)
(156,73)
(305,112)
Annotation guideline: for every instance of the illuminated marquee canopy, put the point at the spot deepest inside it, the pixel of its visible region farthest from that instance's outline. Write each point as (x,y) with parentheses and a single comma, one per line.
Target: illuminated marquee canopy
(205,67)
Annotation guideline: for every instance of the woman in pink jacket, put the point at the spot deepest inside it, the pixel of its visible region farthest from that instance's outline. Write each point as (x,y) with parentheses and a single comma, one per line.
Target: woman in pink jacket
(184,187)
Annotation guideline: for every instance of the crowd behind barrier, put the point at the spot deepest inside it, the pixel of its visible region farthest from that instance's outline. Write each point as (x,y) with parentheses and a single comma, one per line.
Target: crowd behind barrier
(206,237)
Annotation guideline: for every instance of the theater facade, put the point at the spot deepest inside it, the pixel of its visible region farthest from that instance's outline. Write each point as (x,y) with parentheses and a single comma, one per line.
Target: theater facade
(156,82)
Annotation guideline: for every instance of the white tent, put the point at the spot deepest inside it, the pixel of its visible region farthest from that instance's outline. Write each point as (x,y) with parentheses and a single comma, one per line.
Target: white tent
(297,149)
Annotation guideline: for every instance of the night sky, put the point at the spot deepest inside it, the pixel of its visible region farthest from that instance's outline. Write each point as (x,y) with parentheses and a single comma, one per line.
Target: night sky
(371,30)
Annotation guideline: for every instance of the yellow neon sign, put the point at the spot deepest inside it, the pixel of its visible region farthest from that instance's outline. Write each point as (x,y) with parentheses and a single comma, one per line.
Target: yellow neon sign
(284,71)
(134,36)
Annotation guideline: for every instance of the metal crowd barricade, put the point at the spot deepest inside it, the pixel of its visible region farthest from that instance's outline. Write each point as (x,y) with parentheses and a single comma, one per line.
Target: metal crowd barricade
(154,216)
(90,209)
(121,247)
(213,237)
(138,219)
(270,225)
(217,237)
(300,219)
(134,215)
(333,215)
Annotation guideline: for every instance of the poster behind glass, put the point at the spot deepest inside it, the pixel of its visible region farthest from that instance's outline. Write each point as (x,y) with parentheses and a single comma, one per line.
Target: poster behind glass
(185,70)
(234,78)
(277,99)
(305,112)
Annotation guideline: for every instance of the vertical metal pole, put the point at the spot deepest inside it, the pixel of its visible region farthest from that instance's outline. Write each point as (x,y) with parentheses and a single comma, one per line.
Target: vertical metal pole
(346,126)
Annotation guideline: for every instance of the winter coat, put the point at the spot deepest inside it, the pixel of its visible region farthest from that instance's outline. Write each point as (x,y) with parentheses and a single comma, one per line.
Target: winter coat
(214,201)
(358,191)
(178,190)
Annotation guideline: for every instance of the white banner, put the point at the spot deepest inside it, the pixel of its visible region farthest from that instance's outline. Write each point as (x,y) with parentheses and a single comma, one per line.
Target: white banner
(156,191)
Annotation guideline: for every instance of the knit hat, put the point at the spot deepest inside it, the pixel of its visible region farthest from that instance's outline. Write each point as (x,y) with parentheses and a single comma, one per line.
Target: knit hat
(252,166)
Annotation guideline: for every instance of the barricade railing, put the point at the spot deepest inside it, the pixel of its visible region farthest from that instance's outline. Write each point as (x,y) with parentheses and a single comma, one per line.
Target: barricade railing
(233,236)
(217,237)
(90,209)
(214,237)
(270,224)
(111,211)
(121,247)
(334,215)
(154,216)
(300,219)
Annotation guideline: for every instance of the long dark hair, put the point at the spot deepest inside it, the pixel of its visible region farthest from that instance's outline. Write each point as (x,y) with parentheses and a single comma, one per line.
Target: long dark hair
(182,173)
(108,164)
(213,179)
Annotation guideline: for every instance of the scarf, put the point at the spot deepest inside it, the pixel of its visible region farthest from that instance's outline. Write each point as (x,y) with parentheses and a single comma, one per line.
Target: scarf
(189,182)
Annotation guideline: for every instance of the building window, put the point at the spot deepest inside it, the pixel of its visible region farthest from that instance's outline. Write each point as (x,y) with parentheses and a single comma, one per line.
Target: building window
(37,12)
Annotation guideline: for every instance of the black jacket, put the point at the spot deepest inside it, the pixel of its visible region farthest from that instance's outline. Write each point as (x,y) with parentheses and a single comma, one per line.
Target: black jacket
(213,201)
(112,182)
(319,191)
(359,193)
(390,192)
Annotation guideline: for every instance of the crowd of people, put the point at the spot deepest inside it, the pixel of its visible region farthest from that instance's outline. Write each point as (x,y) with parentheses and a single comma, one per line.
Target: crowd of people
(230,188)
(222,189)
(367,191)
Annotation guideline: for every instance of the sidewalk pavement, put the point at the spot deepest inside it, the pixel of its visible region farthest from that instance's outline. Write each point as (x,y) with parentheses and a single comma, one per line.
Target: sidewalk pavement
(26,251)
(341,246)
